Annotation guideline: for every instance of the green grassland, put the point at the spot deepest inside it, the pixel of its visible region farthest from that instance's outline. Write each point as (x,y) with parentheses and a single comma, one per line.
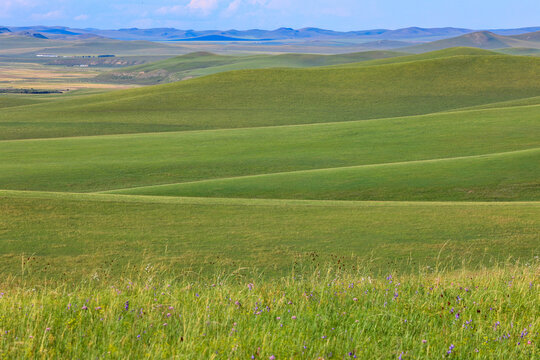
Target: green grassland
(382,209)
(203,63)
(437,54)
(251,98)
(98,163)
(331,315)
(69,236)
(500,177)
(15,100)
(520,51)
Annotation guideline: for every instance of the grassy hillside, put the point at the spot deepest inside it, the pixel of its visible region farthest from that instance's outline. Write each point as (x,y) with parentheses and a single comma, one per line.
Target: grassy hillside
(203,63)
(16,100)
(68,236)
(437,54)
(124,161)
(495,177)
(520,51)
(481,39)
(386,208)
(253,98)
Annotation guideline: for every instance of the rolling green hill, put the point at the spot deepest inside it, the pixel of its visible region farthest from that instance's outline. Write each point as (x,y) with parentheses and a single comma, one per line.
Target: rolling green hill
(437,54)
(70,236)
(15,100)
(480,39)
(457,127)
(496,177)
(252,98)
(204,63)
(100,163)
(520,51)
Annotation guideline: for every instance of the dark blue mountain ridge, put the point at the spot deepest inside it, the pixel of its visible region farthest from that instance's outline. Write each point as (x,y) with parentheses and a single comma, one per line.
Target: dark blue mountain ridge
(416,34)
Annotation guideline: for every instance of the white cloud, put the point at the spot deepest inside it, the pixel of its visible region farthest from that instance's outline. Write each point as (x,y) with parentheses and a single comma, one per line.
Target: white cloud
(166,10)
(204,6)
(233,6)
(6,6)
(236,4)
(81,17)
(56,14)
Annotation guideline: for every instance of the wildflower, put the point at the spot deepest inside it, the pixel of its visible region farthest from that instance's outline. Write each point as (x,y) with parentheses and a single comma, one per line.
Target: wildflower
(48,329)
(126,306)
(168,314)
(355,299)
(250,286)
(293,317)
(272,357)
(164,324)
(84,307)
(450,349)
(278,318)
(424,341)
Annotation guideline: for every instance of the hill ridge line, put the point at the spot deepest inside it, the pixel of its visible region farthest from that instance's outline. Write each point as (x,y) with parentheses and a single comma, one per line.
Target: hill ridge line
(324,169)
(120,198)
(156,133)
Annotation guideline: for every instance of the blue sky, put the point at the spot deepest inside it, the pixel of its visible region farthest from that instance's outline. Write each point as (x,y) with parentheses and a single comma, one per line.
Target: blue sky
(270,14)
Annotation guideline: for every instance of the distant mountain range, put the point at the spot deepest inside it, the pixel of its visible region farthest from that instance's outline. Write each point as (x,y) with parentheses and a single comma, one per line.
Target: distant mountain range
(415,34)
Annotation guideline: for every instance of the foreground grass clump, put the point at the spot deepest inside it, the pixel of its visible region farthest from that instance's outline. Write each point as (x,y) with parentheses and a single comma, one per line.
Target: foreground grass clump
(332,315)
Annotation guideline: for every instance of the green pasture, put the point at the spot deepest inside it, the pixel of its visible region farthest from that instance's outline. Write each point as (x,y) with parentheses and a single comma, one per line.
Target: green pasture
(330,313)
(69,236)
(388,208)
(270,97)
(98,163)
(494,177)
(204,63)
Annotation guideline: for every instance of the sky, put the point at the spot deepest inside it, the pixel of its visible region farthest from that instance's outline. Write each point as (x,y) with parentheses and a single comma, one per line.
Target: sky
(270,14)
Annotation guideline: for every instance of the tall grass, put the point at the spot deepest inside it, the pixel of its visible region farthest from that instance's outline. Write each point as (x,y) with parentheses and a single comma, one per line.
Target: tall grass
(331,314)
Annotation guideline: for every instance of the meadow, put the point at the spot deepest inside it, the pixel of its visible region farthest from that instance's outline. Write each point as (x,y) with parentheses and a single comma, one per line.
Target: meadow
(387,208)
(487,314)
